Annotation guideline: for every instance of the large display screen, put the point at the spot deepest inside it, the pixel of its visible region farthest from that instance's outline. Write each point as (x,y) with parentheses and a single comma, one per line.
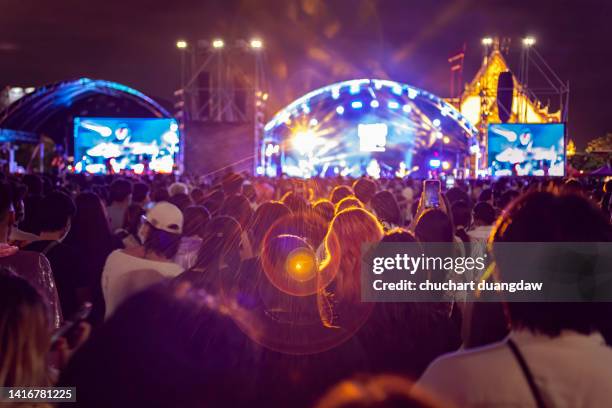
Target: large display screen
(115,145)
(524,149)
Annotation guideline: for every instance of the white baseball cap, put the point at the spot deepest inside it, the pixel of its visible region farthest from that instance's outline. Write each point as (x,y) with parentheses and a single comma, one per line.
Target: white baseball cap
(166,217)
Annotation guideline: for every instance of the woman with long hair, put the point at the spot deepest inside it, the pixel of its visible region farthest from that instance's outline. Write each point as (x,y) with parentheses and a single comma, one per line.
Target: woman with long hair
(91,237)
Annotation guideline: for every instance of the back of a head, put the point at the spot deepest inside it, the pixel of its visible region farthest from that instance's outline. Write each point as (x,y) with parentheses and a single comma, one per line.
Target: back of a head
(213,201)
(238,207)
(120,190)
(159,194)
(455,194)
(232,184)
(380,391)
(553,217)
(365,189)
(295,202)
(165,225)
(34,184)
(434,226)
(185,341)
(265,217)
(196,218)
(339,192)
(24,335)
(178,188)
(462,215)
(59,209)
(399,235)
(484,213)
(386,208)
(486,195)
(348,202)
(140,192)
(221,240)
(325,209)
(181,200)
(89,220)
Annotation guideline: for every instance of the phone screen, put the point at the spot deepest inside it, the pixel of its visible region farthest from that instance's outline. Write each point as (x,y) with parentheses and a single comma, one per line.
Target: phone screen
(431,193)
(450,181)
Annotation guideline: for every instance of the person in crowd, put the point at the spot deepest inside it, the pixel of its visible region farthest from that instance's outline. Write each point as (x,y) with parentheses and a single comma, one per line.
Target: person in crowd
(120,196)
(32,266)
(25,336)
(128,270)
(365,189)
(486,196)
(462,218)
(91,238)
(340,192)
(159,194)
(386,209)
(239,208)
(219,255)
(128,234)
(170,345)
(213,201)
(178,188)
(32,202)
(181,200)
(434,225)
(324,208)
(197,196)
(55,224)
(140,194)
(232,184)
(555,354)
(194,230)
(348,202)
(378,391)
(295,202)
(484,217)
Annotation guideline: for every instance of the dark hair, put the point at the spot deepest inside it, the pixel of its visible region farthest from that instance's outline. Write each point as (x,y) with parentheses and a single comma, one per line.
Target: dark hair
(264,218)
(295,202)
(484,212)
(455,194)
(340,192)
(58,211)
(162,242)
(195,219)
(324,208)
(131,219)
(232,184)
(399,235)
(553,217)
(159,194)
(120,190)
(213,201)
(197,196)
(434,226)
(364,189)
(221,240)
(238,207)
(181,201)
(34,184)
(462,216)
(140,192)
(6,199)
(485,195)
(386,208)
(181,337)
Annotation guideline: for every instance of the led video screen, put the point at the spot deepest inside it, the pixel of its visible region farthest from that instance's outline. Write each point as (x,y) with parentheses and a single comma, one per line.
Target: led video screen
(523,149)
(115,145)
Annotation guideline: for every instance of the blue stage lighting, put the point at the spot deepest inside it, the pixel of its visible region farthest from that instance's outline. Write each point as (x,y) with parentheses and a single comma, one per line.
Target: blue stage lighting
(357,104)
(436,122)
(406,108)
(374,103)
(393,105)
(340,110)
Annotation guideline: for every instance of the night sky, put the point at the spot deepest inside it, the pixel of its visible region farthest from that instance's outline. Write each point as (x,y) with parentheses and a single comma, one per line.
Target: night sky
(310,43)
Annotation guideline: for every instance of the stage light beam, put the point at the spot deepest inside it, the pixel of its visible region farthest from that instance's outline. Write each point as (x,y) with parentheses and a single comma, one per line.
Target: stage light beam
(529,41)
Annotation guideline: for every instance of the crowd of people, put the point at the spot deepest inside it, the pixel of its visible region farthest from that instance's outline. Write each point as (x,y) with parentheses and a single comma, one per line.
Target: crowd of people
(240,290)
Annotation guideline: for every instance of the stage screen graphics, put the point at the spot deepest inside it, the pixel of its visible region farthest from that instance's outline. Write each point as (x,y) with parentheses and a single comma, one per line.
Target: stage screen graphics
(523,149)
(377,127)
(113,145)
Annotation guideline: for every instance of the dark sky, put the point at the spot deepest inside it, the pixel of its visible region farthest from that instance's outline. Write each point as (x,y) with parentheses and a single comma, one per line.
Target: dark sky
(310,43)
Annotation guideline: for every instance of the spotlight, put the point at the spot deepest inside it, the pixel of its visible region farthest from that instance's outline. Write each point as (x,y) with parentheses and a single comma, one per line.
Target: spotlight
(256,44)
(529,41)
(218,43)
(434,163)
(436,122)
(356,104)
(487,41)
(374,103)
(181,44)
(340,110)
(445,165)
(446,140)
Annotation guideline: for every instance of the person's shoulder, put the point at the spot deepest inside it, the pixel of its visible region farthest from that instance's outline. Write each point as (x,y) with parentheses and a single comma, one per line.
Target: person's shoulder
(473,360)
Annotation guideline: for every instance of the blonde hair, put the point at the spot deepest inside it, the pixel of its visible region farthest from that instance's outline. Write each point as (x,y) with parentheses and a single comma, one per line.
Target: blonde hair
(24,334)
(348,231)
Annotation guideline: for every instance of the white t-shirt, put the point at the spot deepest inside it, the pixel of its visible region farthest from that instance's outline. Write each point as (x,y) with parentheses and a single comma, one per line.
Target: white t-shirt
(125,274)
(571,370)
